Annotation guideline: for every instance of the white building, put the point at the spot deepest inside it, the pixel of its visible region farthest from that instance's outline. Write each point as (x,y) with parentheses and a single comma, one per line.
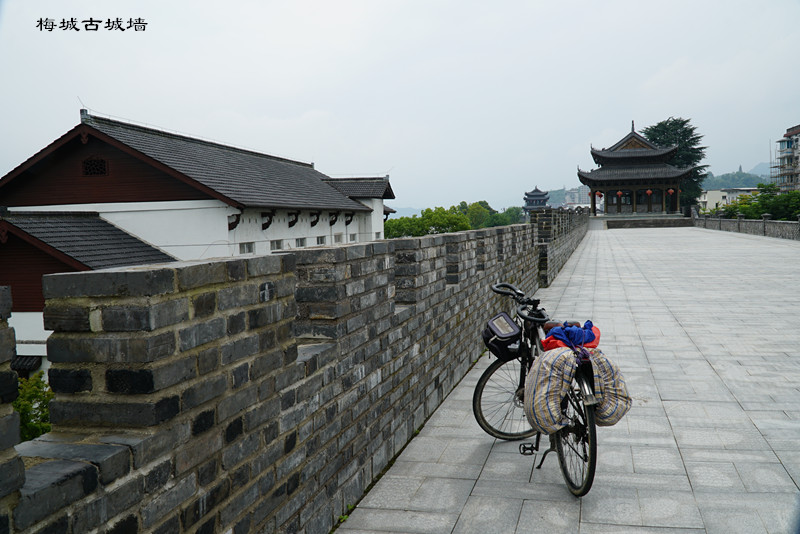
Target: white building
(184,197)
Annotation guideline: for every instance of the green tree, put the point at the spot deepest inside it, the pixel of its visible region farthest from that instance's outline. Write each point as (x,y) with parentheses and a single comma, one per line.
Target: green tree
(678,131)
(32,406)
(431,221)
(478,215)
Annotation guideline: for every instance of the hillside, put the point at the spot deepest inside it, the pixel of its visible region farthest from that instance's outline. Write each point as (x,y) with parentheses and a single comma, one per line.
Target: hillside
(731,180)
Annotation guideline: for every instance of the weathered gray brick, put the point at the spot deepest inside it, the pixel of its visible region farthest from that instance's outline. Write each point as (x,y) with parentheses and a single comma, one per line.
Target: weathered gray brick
(112,461)
(50,486)
(171,499)
(5,302)
(109,283)
(67,348)
(202,333)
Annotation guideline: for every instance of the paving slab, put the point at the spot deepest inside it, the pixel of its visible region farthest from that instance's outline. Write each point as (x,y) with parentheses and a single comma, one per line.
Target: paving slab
(703,325)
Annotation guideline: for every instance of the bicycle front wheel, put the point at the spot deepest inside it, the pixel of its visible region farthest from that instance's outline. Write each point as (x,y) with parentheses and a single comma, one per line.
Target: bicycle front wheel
(576,443)
(498,401)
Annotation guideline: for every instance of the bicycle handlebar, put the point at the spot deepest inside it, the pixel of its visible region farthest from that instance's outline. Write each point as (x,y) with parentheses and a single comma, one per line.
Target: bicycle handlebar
(522,311)
(504,288)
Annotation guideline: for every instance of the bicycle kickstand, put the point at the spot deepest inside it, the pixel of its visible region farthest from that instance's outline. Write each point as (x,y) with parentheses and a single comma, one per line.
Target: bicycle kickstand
(548,451)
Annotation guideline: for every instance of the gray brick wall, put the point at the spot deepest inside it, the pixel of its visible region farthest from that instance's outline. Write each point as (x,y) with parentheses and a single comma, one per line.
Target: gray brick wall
(263,394)
(12,473)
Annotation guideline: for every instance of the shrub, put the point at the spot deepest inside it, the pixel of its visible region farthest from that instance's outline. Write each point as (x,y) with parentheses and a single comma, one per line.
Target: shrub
(32,404)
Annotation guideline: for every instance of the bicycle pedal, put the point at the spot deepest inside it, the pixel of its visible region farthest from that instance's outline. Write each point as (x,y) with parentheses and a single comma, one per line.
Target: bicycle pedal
(527,449)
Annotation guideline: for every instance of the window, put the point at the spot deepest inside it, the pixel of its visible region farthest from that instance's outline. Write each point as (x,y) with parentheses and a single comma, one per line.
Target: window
(353,237)
(337,238)
(377,235)
(95,167)
(247,248)
(321,240)
(300,242)
(276,244)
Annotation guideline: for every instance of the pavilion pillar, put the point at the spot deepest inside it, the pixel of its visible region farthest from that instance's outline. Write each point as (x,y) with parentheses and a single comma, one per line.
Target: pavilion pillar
(633,201)
(663,201)
(594,203)
(677,199)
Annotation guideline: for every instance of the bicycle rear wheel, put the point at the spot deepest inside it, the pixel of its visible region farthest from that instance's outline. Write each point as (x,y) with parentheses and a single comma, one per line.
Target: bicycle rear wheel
(498,401)
(576,443)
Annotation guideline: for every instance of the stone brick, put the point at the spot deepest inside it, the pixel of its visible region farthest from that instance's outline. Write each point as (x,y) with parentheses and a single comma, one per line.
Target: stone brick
(156,478)
(133,381)
(69,380)
(9,430)
(109,283)
(5,302)
(8,344)
(202,422)
(202,274)
(237,296)
(202,333)
(112,461)
(50,486)
(126,414)
(206,503)
(9,388)
(67,348)
(66,318)
(241,348)
(171,499)
(125,497)
(204,391)
(128,525)
(12,475)
(264,265)
(204,305)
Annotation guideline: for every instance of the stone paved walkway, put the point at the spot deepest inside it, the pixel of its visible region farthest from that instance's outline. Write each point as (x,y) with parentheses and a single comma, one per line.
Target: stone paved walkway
(704,325)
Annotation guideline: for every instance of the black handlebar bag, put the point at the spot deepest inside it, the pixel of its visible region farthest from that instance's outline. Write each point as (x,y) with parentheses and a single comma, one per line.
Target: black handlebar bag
(501,336)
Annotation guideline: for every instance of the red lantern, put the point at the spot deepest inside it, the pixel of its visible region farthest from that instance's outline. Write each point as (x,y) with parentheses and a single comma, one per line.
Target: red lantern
(670,190)
(619,193)
(598,194)
(649,192)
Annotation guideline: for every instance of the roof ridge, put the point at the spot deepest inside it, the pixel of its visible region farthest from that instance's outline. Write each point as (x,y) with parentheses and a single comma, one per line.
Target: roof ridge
(87,118)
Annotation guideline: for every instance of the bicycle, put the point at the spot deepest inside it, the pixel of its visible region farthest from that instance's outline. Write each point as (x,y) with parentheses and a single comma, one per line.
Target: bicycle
(499,396)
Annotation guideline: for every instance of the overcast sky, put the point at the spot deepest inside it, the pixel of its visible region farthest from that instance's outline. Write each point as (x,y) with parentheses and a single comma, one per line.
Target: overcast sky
(455,100)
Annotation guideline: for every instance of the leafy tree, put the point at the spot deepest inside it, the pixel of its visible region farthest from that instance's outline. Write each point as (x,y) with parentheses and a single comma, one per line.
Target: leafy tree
(478,215)
(680,132)
(32,406)
(461,217)
(782,206)
(431,221)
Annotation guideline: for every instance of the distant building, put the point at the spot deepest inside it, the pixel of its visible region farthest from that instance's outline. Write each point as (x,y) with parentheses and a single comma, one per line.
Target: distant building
(109,193)
(634,177)
(786,166)
(535,200)
(717,198)
(578,196)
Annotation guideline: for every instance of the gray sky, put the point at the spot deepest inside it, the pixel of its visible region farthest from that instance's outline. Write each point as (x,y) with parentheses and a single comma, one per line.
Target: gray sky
(455,100)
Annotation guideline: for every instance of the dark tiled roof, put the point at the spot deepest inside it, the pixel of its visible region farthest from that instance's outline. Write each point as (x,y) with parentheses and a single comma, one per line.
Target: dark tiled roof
(247,178)
(363,187)
(634,153)
(86,238)
(634,172)
(26,363)
(634,138)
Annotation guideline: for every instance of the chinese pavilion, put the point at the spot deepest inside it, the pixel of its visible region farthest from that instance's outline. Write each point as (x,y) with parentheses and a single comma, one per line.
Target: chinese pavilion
(535,200)
(634,177)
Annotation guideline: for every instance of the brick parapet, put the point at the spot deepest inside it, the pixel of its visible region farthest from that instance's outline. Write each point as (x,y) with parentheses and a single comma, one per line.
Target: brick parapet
(263,394)
(12,472)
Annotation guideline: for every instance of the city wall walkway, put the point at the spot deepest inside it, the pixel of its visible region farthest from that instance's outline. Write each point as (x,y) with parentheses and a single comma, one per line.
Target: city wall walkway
(704,325)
